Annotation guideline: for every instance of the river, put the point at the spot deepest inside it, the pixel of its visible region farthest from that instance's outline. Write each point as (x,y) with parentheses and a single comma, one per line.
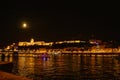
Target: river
(68,67)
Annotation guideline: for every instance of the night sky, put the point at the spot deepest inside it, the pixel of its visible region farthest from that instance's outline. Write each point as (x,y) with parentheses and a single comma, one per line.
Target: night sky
(52,22)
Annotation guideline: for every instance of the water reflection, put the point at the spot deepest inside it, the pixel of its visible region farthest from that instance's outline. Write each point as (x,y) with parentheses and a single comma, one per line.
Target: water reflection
(2,57)
(6,59)
(71,67)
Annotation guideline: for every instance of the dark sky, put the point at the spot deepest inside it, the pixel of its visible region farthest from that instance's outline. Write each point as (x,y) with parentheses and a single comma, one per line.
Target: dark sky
(52,22)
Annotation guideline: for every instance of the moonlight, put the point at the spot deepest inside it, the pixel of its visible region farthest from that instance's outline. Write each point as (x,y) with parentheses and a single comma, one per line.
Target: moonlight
(24,25)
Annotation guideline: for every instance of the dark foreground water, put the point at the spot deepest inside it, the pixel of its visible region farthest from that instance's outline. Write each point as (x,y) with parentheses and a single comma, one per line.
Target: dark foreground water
(68,67)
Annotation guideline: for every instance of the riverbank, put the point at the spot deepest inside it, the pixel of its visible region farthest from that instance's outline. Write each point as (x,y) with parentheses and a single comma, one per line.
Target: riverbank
(8,76)
(6,67)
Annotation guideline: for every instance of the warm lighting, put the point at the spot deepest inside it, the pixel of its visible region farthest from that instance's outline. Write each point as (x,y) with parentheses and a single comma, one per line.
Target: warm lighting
(77,41)
(8,47)
(32,40)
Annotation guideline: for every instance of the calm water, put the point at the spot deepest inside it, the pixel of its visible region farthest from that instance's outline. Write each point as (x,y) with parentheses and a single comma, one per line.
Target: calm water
(68,67)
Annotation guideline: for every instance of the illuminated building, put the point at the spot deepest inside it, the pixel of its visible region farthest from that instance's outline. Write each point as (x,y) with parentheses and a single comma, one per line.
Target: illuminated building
(70,41)
(32,42)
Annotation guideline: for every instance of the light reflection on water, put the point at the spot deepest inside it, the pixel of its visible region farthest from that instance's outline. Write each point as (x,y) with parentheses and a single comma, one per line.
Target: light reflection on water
(68,67)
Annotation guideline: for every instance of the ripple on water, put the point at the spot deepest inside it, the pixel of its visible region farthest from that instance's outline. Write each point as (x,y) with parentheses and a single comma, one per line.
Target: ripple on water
(68,67)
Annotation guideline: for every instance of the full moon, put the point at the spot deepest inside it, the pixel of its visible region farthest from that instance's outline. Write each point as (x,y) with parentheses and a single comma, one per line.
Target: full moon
(24,25)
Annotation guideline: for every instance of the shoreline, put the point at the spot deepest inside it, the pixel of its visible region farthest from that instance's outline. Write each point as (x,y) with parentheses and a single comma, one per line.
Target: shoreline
(9,76)
(5,69)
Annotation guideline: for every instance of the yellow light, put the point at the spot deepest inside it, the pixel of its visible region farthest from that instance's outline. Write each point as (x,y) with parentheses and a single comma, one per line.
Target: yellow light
(24,25)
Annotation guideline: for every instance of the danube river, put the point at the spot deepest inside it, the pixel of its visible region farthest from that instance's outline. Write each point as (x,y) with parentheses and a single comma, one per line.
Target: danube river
(68,67)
